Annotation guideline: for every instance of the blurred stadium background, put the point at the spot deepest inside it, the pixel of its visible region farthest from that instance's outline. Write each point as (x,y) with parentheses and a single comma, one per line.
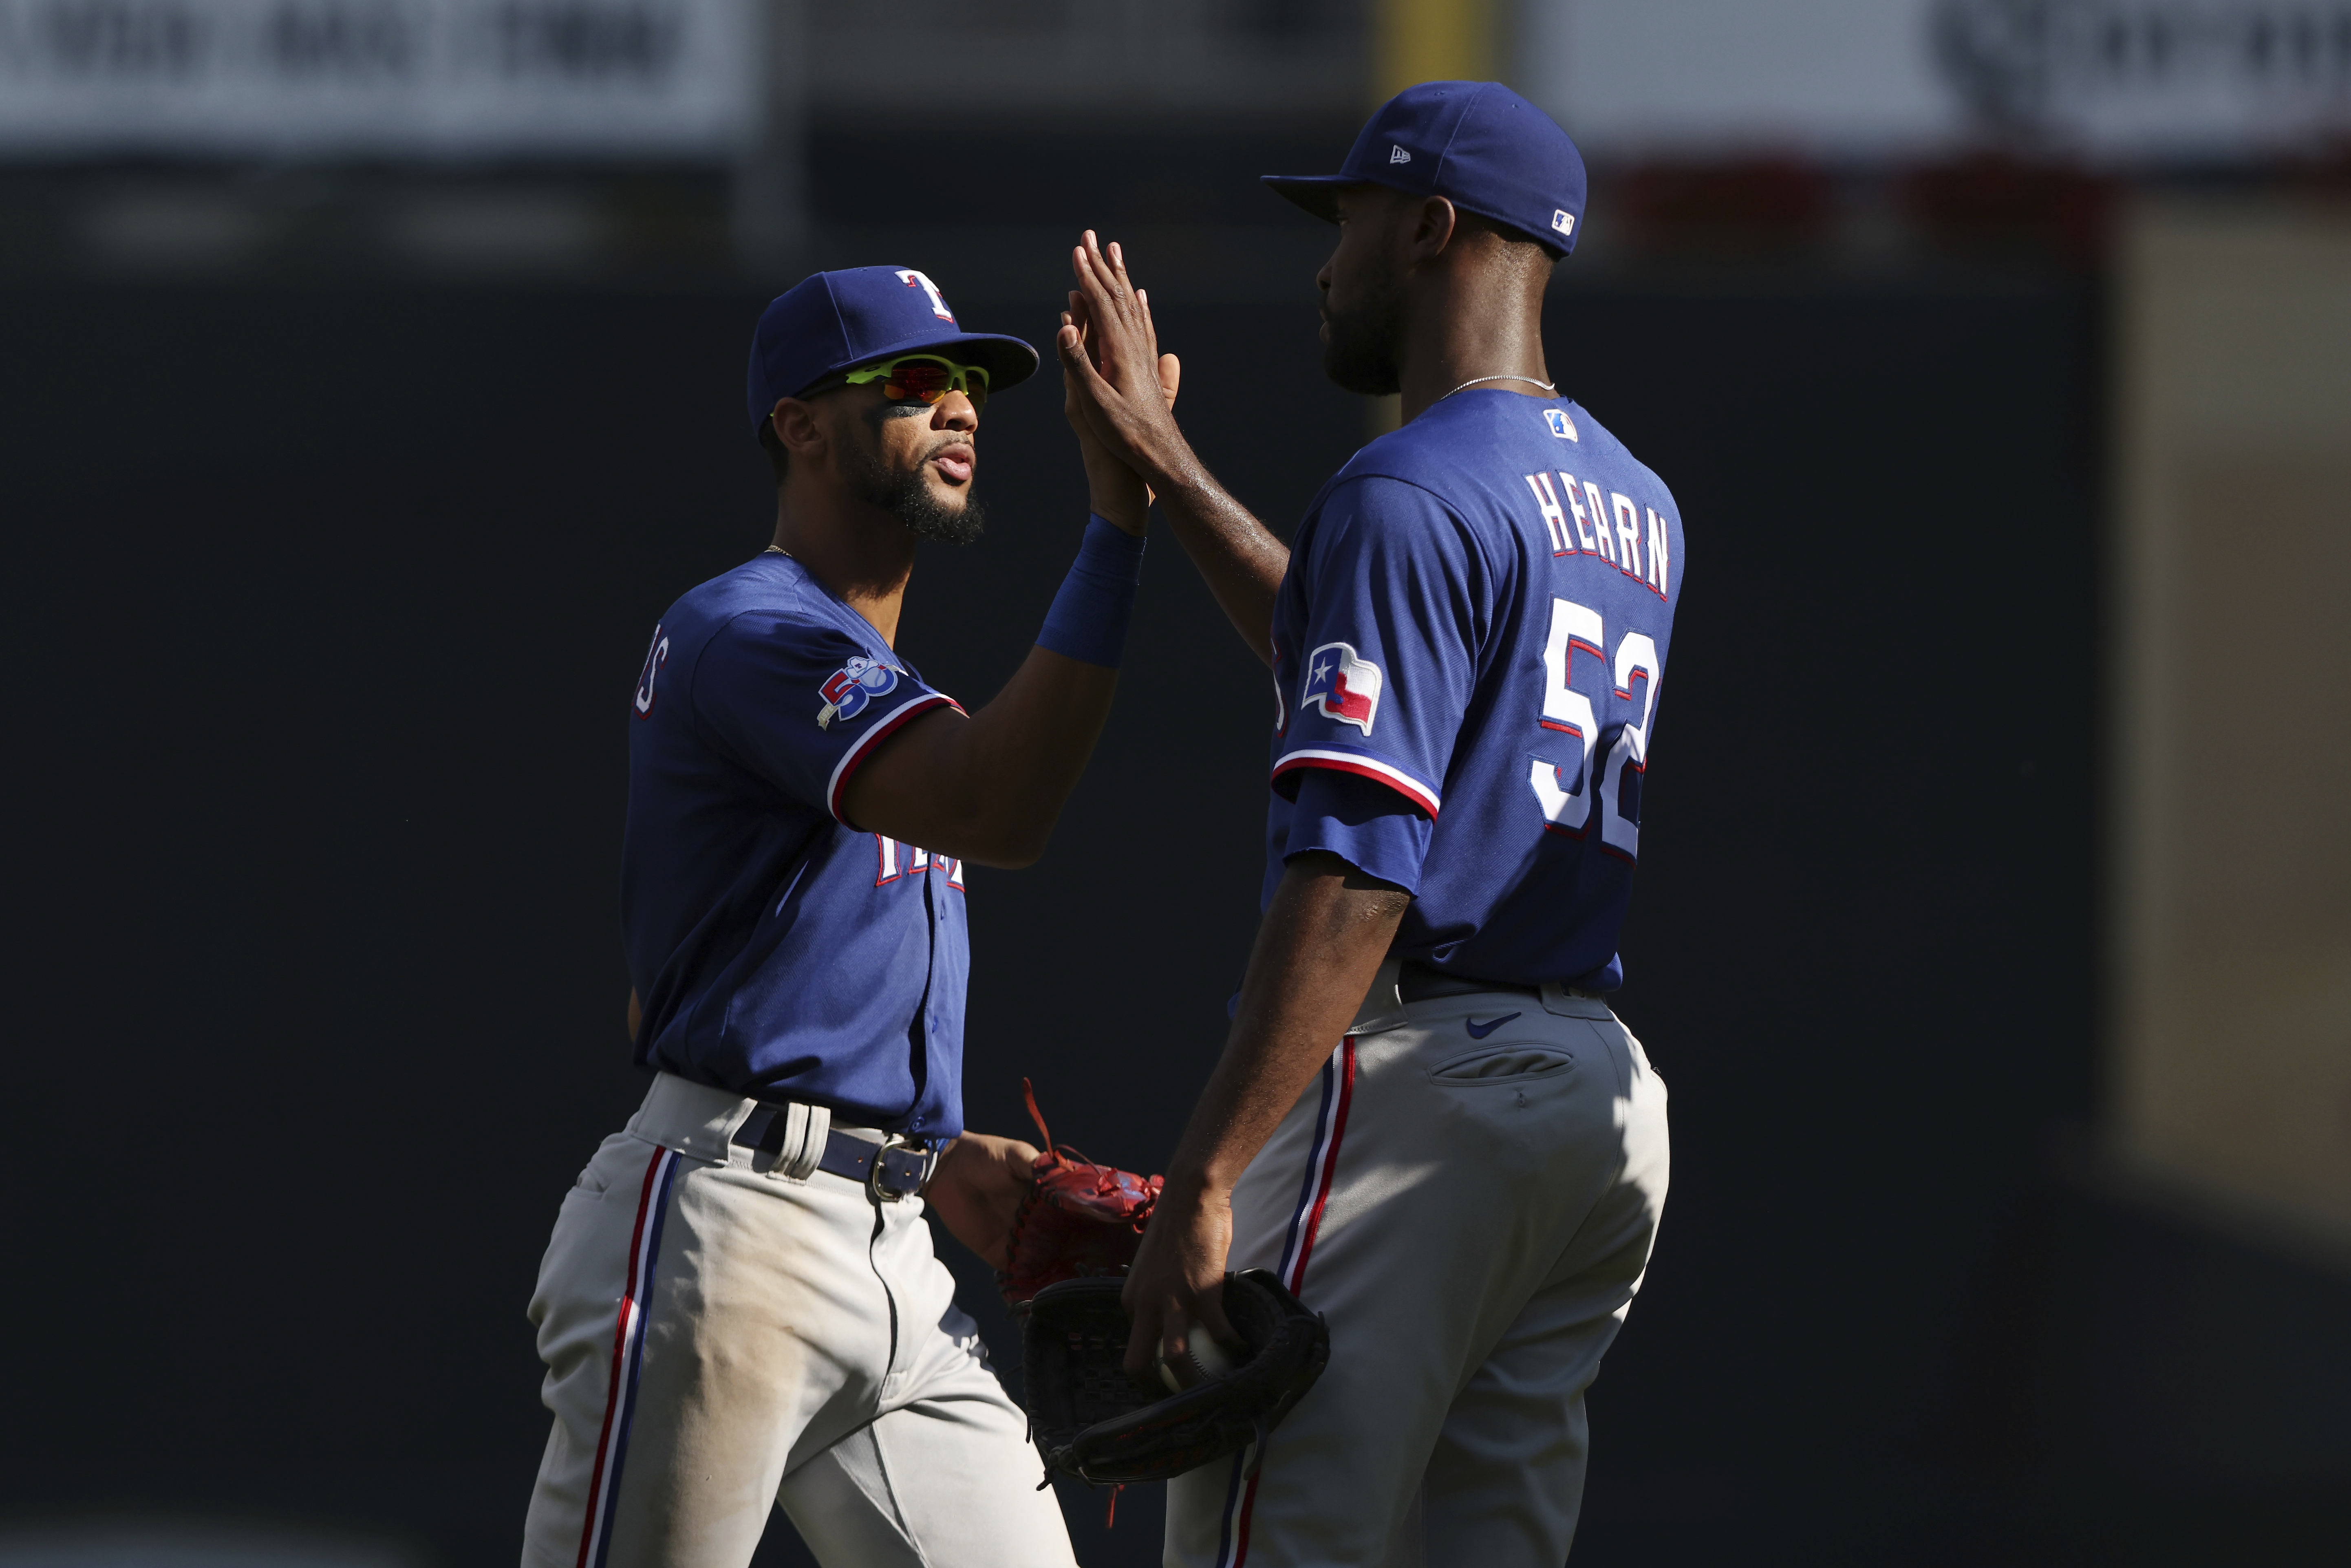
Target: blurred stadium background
(370,385)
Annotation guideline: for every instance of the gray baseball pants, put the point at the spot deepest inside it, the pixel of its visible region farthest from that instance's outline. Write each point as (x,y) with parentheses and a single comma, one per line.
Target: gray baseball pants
(723,1340)
(1468,1192)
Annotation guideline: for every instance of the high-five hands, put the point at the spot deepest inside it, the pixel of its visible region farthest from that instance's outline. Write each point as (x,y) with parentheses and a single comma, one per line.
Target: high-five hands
(1114,490)
(1115,375)
(1122,388)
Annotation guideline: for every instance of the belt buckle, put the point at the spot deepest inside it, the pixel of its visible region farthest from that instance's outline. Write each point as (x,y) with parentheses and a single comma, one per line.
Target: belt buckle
(899,1141)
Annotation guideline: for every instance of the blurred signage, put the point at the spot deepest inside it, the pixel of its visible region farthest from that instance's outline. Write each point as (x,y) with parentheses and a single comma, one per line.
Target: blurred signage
(2117,78)
(377,76)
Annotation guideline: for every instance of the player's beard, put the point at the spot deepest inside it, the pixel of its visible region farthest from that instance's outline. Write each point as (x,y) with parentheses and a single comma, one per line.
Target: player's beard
(907,494)
(1361,354)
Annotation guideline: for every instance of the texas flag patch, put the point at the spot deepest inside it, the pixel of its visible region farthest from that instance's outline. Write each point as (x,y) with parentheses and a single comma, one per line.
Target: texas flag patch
(1342,687)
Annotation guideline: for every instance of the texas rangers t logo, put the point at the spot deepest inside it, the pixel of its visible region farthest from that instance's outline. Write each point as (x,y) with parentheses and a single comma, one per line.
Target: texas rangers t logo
(1342,687)
(938,302)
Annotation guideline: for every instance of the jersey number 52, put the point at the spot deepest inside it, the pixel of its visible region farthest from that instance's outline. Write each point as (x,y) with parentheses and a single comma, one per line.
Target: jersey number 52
(1566,790)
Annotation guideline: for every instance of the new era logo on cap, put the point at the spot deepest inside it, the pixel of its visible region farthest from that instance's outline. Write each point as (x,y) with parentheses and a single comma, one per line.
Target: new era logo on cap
(1398,155)
(1564,221)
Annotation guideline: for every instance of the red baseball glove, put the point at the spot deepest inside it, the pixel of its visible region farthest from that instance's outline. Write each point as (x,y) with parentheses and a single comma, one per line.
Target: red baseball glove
(1080,1219)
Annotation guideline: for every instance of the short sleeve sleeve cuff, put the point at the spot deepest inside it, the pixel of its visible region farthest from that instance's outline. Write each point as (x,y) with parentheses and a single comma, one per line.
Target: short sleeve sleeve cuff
(802,705)
(1376,830)
(866,745)
(1292,768)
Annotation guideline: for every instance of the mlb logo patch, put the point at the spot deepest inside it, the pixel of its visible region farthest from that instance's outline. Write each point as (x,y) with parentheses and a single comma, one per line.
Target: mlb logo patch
(1560,425)
(849,689)
(1564,221)
(1342,687)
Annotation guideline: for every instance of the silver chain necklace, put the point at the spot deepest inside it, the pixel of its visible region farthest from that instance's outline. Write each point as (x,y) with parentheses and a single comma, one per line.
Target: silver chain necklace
(1473,380)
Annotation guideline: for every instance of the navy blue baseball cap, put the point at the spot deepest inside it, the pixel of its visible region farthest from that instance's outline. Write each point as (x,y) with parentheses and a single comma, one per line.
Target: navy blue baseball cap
(838,321)
(1476,144)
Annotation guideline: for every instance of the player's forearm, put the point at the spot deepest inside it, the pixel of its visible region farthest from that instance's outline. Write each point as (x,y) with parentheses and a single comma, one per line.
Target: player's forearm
(989,788)
(1322,941)
(1025,751)
(1238,556)
(1021,755)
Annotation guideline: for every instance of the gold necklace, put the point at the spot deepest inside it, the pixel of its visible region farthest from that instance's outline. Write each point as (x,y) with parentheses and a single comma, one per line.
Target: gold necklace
(1473,380)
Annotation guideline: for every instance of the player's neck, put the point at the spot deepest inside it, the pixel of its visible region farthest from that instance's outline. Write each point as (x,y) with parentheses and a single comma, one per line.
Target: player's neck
(1469,323)
(862,554)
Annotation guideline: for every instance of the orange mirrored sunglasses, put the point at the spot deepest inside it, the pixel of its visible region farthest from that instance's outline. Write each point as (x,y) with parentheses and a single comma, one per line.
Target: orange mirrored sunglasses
(923,378)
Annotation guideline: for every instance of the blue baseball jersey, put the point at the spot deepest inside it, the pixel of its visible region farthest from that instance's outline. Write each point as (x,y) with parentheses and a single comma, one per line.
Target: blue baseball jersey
(1467,649)
(777,950)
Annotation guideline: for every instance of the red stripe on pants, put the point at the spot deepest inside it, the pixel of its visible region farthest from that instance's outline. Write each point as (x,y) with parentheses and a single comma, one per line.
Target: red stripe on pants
(620,1359)
(1329,1166)
(1305,1251)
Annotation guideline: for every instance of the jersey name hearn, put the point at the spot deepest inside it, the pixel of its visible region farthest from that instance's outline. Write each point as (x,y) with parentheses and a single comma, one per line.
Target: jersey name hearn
(1584,520)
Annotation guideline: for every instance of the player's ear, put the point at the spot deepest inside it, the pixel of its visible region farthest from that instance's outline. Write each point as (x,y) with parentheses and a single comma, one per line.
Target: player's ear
(798,427)
(1433,222)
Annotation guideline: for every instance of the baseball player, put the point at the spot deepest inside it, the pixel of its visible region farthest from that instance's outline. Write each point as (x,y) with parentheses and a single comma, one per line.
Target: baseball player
(739,1309)
(1426,1117)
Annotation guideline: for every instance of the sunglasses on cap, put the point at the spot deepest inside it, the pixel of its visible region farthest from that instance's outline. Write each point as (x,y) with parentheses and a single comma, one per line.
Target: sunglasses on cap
(923,378)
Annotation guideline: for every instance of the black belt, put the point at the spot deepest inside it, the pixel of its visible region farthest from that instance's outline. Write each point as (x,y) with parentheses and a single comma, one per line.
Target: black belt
(1417,982)
(890,1171)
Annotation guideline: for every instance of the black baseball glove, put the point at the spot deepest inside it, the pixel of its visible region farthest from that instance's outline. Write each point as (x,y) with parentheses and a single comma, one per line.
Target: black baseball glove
(1093,1421)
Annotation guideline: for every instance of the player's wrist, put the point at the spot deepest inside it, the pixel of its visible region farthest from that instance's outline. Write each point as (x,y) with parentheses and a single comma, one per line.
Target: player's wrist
(1165,463)
(1197,1184)
(1131,513)
(947,1169)
(1089,616)
(1186,490)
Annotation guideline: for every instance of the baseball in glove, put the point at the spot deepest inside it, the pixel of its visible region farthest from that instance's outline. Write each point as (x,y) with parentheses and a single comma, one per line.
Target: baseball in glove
(1079,1220)
(1093,1421)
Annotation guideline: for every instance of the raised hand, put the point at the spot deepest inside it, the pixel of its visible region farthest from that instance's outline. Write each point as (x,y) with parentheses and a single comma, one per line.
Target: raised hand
(1123,385)
(1111,366)
(1114,490)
